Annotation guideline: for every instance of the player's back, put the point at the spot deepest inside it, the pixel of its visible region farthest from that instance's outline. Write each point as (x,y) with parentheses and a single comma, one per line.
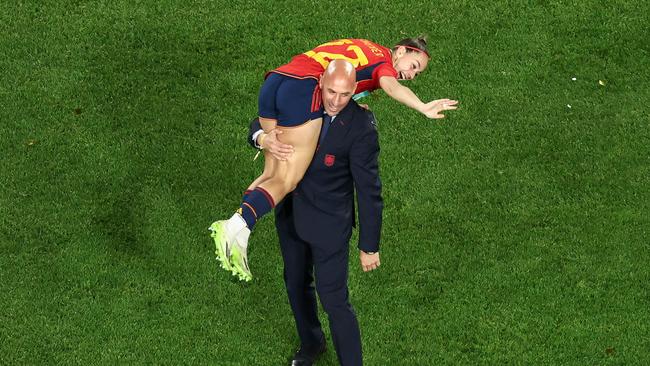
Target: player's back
(365,55)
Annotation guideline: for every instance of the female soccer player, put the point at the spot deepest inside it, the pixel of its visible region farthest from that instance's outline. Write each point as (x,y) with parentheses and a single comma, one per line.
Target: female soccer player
(290,100)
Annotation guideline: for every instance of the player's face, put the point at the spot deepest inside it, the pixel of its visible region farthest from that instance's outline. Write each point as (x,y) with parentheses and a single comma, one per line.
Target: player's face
(337,92)
(409,64)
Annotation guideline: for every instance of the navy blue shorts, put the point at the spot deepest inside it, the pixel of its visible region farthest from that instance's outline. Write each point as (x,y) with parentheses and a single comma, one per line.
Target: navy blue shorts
(290,101)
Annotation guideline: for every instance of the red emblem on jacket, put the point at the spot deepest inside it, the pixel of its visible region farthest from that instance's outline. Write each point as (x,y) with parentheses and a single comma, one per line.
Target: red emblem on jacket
(329,159)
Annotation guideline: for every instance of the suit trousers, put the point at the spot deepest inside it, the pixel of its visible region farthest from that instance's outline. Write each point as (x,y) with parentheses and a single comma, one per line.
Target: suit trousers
(304,263)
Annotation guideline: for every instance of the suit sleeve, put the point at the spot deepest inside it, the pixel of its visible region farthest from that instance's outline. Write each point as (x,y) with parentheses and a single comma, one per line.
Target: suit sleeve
(254,127)
(364,165)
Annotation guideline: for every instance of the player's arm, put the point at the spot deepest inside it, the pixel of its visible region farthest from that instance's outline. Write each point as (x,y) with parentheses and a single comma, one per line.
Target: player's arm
(400,93)
(404,95)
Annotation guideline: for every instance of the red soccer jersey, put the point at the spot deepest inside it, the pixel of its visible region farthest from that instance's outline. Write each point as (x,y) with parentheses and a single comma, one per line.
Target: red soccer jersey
(371,61)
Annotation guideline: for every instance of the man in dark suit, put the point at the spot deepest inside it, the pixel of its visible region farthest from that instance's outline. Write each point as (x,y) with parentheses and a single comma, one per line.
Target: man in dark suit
(314,223)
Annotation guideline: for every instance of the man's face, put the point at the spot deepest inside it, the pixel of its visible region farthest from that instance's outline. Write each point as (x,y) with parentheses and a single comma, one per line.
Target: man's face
(337,91)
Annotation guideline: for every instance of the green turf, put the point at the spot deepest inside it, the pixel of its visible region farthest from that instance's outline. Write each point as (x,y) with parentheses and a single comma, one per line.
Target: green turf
(516,230)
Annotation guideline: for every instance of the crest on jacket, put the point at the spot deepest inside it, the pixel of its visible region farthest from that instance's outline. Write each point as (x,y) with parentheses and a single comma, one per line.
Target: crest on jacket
(329,159)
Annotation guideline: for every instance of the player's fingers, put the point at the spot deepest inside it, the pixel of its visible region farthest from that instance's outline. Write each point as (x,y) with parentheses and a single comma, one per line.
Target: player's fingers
(449,104)
(280,147)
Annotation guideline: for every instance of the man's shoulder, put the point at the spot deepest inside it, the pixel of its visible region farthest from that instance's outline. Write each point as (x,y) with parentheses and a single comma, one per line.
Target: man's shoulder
(364,120)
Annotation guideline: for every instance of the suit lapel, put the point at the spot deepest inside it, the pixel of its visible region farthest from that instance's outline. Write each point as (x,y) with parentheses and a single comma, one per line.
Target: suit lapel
(339,128)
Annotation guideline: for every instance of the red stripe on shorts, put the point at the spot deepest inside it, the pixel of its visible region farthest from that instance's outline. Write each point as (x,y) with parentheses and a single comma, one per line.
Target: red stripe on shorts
(316,99)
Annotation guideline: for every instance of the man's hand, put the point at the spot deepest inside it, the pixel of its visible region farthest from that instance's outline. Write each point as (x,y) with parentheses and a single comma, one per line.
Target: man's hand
(364,106)
(434,109)
(369,262)
(270,142)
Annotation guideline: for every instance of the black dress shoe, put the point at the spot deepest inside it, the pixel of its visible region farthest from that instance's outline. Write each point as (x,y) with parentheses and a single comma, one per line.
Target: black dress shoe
(307,356)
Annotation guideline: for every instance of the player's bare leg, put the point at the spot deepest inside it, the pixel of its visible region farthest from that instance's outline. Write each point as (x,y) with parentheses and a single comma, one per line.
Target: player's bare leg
(286,174)
(269,161)
(269,167)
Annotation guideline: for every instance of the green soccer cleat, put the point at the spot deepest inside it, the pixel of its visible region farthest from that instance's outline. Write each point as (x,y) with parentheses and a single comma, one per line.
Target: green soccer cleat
(218,233)
(239,262)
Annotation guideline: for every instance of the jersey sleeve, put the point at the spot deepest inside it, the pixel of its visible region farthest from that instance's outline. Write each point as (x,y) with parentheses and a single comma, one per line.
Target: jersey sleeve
(385,69)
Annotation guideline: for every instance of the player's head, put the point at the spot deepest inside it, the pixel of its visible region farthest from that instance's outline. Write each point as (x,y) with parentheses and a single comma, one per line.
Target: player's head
(410,57)
(337,85)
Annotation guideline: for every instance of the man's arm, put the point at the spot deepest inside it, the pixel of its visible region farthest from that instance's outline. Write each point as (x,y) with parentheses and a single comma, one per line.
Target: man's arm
(254,130)
(364,165)
(269,141)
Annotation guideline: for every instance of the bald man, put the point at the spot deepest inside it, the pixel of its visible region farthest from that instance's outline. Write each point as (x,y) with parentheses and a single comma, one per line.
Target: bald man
(314,223)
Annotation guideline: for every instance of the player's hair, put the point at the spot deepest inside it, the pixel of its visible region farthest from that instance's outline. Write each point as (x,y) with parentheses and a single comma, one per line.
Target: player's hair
(417,44)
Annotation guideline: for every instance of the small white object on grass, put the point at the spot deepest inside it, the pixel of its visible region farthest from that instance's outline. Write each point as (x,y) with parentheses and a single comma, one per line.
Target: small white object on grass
(568,106)
(574,79)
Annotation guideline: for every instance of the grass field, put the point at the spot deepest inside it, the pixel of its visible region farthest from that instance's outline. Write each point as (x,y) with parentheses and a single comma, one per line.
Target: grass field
(516,231)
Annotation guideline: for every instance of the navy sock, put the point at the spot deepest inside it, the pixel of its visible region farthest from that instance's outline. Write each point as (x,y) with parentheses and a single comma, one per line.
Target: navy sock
(246,193)
(255,205)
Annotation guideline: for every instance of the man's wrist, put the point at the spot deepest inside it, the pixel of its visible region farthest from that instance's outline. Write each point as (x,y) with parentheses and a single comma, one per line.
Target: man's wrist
(255,137)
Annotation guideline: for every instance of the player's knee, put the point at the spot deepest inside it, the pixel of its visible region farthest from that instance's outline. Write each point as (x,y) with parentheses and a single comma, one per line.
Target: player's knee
(289,186)
(265,175)
(292,180)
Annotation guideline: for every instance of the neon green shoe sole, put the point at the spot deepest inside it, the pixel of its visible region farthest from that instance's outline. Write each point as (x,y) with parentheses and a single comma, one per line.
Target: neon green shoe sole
(239,264)
(218,233)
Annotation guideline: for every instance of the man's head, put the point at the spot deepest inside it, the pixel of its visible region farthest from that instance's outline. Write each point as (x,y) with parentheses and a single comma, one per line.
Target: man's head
(337,85)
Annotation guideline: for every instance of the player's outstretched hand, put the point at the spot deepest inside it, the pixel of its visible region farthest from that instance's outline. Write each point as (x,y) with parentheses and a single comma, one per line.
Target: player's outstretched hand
(369,262)
(271,143)
(435,108)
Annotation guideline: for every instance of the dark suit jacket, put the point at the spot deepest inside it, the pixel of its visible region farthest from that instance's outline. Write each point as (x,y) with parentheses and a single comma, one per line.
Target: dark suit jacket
(321,208)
